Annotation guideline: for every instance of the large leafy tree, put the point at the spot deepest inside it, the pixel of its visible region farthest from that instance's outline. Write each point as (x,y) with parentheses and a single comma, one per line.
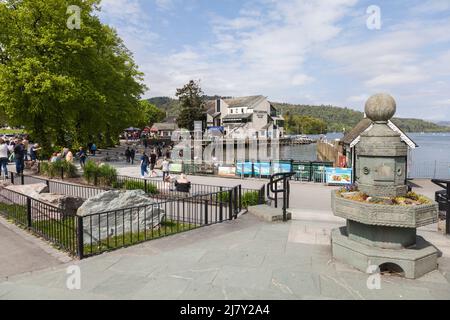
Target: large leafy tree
(192,105)
(66,86)
(150,114)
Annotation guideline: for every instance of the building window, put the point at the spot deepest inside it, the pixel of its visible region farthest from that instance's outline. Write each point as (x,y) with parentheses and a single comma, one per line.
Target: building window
(231,110)
(242,110)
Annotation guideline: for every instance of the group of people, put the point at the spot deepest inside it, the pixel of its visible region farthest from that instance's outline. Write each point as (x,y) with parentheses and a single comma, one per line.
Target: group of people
(67,155)
(150,162)
(19,151)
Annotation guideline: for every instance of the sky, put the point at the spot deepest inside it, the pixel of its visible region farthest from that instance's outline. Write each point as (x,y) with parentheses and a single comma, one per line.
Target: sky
(336,52)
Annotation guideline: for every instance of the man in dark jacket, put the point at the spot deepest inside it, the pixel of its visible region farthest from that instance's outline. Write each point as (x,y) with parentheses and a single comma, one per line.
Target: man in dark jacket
(19,156)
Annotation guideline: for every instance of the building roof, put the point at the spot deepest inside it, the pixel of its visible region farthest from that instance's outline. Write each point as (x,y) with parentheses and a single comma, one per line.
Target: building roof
(353,134)
(245,102)
(165,126)
(210,107)
(353,137)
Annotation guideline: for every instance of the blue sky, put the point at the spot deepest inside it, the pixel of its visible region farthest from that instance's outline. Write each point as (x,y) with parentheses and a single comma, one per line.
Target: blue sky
(297,51)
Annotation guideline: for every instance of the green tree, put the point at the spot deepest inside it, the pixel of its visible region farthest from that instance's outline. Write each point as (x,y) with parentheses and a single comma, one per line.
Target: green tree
(192,105)
(150,114)
(66,87)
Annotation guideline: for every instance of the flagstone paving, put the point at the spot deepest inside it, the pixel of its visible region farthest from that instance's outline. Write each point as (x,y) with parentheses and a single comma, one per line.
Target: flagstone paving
(242,259)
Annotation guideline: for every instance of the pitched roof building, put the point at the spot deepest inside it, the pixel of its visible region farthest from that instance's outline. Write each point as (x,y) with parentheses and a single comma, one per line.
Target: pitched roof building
(242,115)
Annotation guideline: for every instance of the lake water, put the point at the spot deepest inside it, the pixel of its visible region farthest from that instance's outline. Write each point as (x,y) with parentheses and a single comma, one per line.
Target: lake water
(430,160)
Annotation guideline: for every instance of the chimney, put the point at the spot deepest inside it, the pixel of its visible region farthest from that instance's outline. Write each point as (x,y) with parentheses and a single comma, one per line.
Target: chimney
(218,105)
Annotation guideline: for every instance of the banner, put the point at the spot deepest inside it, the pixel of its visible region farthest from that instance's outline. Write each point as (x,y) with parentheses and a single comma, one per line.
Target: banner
(262,169)
(227,171)
(339,176)
(245,167)
(282,167)
(176,167)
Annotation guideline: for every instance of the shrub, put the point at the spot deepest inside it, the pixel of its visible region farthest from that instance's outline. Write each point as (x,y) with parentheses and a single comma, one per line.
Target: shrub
(90,170)
(138,185)
(250,198)
(104,174)
(53,169)
(107,174)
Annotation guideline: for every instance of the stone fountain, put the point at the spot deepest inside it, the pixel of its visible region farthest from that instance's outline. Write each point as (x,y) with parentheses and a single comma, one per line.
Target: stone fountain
(378,232)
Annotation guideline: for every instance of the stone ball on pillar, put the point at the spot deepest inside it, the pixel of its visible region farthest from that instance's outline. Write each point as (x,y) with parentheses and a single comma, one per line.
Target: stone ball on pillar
(380,107)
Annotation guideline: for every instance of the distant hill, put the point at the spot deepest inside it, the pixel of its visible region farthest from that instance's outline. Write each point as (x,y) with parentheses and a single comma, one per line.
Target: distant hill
(338,119)
(443,123)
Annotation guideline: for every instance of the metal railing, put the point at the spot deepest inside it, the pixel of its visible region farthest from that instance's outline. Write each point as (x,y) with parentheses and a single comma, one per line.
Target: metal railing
(49,222)
(273,188)
(106,231)
(59,187)
(442,197)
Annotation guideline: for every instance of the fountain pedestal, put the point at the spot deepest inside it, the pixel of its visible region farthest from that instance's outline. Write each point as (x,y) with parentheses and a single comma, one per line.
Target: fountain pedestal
(380,234)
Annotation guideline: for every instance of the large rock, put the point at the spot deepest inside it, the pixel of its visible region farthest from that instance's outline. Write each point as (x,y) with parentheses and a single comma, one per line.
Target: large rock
(114,213)
(31,190)
(68,204)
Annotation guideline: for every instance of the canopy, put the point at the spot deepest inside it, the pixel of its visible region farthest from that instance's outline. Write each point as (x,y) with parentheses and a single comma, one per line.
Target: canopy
(133,129)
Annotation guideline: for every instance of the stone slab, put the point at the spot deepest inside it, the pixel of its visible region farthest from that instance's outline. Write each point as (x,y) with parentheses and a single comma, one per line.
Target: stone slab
(269,214)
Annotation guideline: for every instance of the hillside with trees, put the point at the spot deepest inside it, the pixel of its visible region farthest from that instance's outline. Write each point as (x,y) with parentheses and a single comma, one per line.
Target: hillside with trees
(314,118)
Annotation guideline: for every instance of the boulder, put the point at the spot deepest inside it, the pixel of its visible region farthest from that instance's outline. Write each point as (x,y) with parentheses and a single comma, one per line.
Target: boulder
(116,212)
(31,190)
(68,204)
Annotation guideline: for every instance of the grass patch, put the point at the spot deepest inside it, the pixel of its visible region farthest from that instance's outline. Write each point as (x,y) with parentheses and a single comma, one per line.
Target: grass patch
(167,228)
(151,188)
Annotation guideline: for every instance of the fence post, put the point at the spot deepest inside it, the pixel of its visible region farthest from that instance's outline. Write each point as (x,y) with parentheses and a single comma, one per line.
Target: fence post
(230,204)
(95,179)
(29,221)
(22,179)
(206,212)
(12,178)
(240,198)
(80,238)
(447,214)
(62,173)
(145,185)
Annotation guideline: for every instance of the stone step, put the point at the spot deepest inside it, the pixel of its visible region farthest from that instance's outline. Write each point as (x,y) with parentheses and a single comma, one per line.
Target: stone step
(268,213)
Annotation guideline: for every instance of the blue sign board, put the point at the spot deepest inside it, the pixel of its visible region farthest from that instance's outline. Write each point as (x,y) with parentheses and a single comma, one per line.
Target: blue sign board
(262,169)
(282,167)
(245,167)
(339,176)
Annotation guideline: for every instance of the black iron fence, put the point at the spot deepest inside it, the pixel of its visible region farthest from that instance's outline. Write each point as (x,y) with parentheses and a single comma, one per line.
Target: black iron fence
(47,221)
(442,197)
(58,187)
(100,232)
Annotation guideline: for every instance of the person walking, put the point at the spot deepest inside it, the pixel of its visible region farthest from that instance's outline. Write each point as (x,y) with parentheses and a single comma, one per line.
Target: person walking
(93,149)
(133,155)
(128,154)
(82,155)
(165,168)
(144,165)
(19,157)
(153,158)
(4,158)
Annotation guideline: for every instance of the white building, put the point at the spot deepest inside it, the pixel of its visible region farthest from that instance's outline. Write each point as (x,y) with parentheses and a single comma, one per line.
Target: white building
(245,116)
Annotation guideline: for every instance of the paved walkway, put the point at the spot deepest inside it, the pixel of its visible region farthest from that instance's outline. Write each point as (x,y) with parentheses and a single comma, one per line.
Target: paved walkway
(20,252)
(243,259)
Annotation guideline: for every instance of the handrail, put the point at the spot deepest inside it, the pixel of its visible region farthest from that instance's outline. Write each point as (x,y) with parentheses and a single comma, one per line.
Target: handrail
(443,198)
(272,187)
